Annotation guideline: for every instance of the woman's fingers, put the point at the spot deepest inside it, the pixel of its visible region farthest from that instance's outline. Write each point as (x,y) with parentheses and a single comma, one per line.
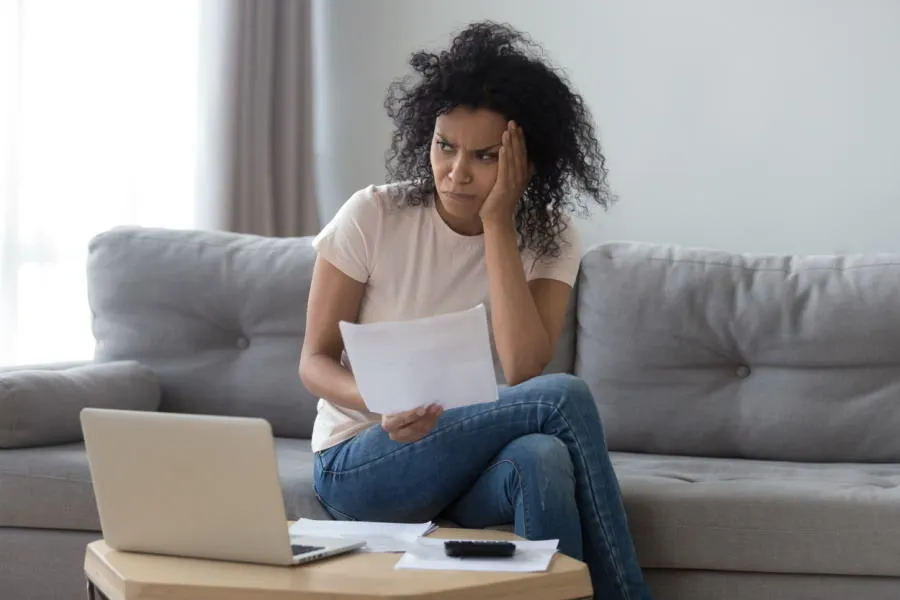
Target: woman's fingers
(411,431)
(503,162)
(519,154)
(397,421)
(516,154)
(412,418)
(509,156)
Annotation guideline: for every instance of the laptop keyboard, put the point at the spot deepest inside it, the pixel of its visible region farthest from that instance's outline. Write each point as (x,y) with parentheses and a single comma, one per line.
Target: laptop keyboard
(300,549)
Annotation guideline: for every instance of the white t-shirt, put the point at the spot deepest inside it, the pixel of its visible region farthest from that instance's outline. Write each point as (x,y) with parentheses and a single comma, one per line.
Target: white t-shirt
(413,266)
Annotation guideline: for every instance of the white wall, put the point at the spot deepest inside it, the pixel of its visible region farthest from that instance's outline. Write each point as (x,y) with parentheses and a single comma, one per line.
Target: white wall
(749,125)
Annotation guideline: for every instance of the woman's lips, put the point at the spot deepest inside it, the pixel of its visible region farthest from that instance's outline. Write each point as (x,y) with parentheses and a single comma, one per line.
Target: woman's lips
(459,196)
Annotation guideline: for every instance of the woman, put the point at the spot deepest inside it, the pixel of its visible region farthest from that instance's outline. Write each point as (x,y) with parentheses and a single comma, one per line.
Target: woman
(472,217)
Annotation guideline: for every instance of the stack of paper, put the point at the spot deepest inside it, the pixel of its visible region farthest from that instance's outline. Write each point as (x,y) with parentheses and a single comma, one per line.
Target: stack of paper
(379,537)
(530,557)
(402,365)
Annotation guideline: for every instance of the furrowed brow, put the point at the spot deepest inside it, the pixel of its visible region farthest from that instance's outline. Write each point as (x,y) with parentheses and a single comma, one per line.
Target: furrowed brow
(444,139)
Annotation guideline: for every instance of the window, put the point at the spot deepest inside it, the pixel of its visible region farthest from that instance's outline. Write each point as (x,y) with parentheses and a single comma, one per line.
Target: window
(98,128)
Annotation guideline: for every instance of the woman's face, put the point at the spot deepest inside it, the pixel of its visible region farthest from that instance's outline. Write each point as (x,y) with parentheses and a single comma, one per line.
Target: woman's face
(464,163)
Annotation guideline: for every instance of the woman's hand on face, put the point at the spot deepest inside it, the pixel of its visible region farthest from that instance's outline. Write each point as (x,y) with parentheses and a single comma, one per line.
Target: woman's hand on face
(513,175)
(412,425)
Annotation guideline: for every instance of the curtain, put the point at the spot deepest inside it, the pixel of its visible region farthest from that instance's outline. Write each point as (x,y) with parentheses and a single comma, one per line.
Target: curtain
(177,114)
(98,128)
(260,172)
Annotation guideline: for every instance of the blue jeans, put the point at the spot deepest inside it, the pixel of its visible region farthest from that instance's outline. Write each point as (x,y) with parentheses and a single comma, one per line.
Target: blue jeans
(536,458)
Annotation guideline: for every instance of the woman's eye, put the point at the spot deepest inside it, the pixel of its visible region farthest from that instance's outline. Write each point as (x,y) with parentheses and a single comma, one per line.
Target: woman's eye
(486,156)
(445,146)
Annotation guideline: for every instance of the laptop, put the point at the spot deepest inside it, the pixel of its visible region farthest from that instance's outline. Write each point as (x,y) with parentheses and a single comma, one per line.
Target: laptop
(194,486)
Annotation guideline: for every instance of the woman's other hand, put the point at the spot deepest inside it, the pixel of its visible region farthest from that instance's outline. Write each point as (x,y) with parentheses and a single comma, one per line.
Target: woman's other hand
(412,425)
(513,175)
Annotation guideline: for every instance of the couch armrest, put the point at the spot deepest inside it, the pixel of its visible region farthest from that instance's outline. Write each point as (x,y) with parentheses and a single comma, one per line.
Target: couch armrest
(49,366)
(40,405)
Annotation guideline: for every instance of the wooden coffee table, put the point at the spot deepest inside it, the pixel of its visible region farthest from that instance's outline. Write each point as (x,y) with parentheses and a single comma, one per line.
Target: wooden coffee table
(358,576)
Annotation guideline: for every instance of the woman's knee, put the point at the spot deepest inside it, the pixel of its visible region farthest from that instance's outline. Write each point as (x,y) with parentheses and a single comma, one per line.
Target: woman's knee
(542,456)
(571,384)
(563,387)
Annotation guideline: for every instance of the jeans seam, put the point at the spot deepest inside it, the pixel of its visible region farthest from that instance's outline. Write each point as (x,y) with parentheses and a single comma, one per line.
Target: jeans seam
(606,531)
(433,434)
(614,547)
(527,524)
(334,512)
(331,509)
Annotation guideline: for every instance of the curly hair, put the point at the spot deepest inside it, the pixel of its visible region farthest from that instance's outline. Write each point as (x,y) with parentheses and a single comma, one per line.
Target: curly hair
(493,66)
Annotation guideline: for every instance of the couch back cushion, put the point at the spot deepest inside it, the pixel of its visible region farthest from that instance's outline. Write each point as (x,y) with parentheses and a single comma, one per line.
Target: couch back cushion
(41,405)
(218,316)
(563,360)
(709,353)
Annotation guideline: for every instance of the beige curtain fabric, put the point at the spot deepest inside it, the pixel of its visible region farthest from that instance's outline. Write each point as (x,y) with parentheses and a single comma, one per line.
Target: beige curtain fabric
(267,183)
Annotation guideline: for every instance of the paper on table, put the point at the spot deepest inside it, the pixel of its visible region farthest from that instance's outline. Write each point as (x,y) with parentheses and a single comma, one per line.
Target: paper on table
(402,365)
(428,554)
(379,537)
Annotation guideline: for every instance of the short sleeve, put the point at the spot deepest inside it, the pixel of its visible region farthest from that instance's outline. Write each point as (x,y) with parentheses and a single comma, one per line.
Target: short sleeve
(347,241)
(564,266)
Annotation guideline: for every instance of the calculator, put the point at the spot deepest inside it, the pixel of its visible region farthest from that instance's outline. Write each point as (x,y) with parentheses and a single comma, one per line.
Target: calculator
(479,549)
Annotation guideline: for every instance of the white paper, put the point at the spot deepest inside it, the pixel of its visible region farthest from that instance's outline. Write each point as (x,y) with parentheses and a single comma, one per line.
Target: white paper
(379,537)
(530,557)
(402,365)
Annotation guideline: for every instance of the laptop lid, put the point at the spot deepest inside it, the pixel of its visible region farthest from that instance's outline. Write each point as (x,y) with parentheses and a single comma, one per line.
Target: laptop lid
(187,485)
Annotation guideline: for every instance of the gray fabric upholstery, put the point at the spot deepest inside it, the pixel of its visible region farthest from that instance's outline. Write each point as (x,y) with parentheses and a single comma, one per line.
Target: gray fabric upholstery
(43,564)
(51,487)
(41,407)
(218,316)
(707,353)
(54,366)
(563,360)
(47,488)
(723,585)
(295,468)
(744,515)
(47,563)
(700,361)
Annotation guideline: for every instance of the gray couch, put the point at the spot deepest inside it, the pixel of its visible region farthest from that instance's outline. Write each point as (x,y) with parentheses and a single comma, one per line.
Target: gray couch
(752,404)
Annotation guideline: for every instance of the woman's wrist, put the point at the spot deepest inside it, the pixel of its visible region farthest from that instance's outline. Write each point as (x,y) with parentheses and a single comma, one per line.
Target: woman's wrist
(494,226)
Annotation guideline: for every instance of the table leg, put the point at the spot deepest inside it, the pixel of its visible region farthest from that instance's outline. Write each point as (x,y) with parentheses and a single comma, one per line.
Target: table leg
(93,592)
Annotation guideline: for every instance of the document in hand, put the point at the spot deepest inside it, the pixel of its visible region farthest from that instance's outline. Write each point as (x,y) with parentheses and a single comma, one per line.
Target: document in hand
(402,365)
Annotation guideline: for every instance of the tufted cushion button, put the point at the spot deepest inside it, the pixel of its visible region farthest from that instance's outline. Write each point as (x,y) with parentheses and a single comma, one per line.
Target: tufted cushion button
(742,371)
(242,342)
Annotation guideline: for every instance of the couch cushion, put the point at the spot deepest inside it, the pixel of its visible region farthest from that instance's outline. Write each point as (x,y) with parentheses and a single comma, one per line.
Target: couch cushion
(295,467)
(563,360)
(670,584)
(50,487)
(47,488)
(758,516)
(43,565)
(706,353)
(219,316)
(41,406)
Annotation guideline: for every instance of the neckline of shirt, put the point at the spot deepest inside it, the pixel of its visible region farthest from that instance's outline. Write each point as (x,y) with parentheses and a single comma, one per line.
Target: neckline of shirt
(444,229)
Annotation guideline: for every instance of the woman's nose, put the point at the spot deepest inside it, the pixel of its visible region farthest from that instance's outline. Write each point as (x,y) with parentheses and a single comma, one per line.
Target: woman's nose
(460,172)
